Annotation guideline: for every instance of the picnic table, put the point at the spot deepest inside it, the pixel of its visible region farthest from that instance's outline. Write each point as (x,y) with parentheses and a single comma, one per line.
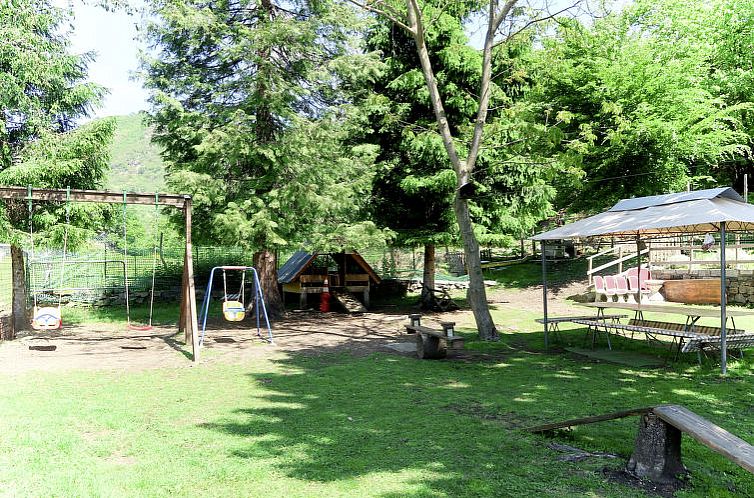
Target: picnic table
(688,337)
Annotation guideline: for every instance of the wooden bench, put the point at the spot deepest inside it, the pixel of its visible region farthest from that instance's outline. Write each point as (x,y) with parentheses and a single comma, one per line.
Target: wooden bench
(657,451)
(699,339)
(431,343)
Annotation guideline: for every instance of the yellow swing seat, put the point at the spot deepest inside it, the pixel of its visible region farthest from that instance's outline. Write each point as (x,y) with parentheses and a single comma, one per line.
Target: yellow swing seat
(47,318)
(234,311)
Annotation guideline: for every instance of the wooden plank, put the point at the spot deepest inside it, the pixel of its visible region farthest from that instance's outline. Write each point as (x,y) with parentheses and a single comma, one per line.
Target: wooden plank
(192,320)
(436,333)
(711,435)
(692,291)
(76,195)
(589,420)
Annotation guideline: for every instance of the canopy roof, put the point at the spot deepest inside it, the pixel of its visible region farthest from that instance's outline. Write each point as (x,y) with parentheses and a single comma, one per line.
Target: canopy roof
(700,211)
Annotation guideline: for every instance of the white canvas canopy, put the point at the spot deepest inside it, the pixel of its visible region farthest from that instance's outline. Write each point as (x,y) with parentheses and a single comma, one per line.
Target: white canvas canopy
(701,211)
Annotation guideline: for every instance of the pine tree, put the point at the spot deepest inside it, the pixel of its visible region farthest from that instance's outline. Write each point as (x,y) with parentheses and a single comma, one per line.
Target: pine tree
(43,94)
(246,109)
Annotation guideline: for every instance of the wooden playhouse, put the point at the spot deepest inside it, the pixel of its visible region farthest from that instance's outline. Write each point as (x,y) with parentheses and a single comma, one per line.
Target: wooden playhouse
(346,273)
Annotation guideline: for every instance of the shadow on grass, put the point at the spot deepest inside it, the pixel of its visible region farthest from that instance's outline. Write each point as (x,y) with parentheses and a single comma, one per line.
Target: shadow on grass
(423,428)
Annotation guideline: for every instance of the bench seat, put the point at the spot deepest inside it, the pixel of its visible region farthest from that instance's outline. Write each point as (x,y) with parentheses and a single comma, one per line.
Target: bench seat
(413,329)
(431,343)
(711,435)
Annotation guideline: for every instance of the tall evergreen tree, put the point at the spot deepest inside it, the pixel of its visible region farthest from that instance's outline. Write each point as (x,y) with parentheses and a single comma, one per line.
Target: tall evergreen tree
(244,108)
(43,94)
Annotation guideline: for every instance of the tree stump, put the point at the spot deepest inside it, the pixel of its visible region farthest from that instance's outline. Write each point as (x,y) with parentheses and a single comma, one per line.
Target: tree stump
(429,347)
(657,452)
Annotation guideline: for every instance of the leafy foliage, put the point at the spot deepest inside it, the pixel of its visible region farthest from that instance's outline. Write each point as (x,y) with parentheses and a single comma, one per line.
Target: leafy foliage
(416,184)
(43,94)
(135,162)
(42,85)
(634,98)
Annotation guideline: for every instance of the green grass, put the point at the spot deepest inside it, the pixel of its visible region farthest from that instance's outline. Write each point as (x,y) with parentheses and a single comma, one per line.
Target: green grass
(523,275)
(338,425)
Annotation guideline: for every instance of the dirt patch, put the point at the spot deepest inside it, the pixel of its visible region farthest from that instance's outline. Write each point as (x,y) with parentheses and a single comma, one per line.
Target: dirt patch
(114,347)
(530,298)
(649,487)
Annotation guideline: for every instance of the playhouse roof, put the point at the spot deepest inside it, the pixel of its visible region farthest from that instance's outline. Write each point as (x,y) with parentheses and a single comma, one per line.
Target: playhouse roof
(301,260)
(700,211)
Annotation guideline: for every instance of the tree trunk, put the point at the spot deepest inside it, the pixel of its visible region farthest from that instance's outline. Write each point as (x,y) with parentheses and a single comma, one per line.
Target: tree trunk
(429,277)
(657,453)
(20,319)
(477,294)
(266,266)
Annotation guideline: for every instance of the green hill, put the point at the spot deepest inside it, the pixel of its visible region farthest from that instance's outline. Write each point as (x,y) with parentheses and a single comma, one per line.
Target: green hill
(135,162)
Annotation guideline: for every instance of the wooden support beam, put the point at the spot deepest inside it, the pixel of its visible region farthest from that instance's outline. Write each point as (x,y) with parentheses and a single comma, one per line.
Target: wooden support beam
(60,195)
(191,318)
(589,420)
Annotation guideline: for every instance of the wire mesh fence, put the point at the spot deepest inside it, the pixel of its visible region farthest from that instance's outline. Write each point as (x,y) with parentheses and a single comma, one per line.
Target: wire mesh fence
(98,276)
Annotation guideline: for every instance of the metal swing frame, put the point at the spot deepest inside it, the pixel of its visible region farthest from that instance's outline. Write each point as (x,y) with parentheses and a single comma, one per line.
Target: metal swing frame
(258,301)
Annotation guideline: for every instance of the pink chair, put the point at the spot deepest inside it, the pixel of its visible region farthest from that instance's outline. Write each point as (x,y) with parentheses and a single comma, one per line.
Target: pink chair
(599,288)
(633,288)
(611,287)
(644,275)
(621,288)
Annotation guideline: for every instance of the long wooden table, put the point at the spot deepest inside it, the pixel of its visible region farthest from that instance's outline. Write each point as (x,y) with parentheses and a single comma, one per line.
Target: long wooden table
(692,314)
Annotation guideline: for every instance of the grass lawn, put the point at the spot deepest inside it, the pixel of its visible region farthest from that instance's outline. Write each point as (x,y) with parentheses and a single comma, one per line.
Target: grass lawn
(339,425)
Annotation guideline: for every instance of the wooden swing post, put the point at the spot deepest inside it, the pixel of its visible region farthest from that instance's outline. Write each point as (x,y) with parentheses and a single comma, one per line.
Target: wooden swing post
(188,321)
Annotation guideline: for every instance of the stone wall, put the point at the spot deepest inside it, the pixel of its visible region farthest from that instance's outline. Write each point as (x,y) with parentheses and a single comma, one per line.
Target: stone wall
(739,284)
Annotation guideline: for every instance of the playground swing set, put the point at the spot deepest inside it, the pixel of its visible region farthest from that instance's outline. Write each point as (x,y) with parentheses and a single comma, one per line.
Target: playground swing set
(50,317)
(234,305)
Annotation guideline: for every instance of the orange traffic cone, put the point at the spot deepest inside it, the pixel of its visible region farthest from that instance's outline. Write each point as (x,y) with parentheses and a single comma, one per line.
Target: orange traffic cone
(324,299)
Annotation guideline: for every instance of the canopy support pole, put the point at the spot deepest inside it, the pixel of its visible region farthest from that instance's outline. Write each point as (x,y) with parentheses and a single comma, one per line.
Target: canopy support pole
(638,267)
(544,291)
(723,303)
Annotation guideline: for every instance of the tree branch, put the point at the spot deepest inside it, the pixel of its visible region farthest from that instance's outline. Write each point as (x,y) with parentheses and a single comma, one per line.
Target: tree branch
(548,17)
(386,11)
(495,18)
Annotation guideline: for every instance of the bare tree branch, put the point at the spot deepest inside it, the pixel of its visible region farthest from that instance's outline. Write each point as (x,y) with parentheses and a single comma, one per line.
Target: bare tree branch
(385,10)
(534,21)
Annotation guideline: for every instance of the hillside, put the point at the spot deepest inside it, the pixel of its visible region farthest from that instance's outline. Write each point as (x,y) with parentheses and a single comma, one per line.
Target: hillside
(135,162)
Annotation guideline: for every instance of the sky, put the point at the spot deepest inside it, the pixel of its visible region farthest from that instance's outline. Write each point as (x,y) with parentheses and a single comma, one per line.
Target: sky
(111,36)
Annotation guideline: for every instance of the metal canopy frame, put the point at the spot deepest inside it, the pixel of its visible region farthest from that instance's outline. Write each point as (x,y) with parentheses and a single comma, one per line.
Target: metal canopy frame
(722,227)
(188,322)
